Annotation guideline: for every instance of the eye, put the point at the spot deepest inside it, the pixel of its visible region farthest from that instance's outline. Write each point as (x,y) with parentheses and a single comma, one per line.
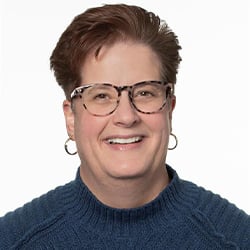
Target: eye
(101,96)
(145,93)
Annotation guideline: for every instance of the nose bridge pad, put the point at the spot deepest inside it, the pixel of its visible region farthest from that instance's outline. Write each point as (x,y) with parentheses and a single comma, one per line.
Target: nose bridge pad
(131,99)
(129,90)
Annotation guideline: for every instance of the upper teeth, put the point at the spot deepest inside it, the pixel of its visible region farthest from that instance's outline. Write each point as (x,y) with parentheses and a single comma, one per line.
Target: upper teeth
(123,140)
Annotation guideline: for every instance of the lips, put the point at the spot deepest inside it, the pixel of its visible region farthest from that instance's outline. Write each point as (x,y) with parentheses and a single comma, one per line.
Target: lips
(117,140)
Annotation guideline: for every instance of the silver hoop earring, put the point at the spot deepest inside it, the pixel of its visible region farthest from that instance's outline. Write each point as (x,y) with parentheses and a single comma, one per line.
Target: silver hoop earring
(176,142)
(66,147)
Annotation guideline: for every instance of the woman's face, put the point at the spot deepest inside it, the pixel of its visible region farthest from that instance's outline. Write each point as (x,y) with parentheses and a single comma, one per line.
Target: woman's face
(121,64)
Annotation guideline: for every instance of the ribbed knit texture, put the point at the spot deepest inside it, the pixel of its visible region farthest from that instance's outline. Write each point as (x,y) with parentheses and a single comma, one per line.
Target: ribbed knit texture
(183,216)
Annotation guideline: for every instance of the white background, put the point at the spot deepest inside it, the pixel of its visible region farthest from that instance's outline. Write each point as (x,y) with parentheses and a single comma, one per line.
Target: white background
(211,118)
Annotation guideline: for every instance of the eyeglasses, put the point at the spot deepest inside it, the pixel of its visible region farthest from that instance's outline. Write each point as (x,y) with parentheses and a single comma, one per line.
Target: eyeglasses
(102,99)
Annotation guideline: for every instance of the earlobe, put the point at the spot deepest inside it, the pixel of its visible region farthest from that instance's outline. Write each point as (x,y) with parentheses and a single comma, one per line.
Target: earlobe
(69,118)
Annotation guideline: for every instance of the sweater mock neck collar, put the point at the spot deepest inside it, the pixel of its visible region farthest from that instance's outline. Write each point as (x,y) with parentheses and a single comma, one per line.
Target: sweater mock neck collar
(85,208)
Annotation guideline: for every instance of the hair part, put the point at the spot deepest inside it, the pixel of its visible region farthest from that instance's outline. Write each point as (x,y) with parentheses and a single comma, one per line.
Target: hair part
(108,24)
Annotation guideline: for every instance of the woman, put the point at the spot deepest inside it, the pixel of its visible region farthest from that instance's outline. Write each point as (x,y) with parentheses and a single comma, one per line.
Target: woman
(117,65)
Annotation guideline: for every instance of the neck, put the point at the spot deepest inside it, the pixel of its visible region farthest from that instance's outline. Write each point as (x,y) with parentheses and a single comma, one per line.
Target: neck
(126,193)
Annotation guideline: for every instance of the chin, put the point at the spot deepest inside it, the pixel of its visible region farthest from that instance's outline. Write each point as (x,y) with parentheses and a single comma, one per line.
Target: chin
(127,171)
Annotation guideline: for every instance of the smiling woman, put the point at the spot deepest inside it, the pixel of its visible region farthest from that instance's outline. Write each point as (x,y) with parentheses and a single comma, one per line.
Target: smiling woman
(104,161)
(117,65)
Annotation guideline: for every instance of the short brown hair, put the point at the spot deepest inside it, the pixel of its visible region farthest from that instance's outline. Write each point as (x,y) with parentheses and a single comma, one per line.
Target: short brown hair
(105,25)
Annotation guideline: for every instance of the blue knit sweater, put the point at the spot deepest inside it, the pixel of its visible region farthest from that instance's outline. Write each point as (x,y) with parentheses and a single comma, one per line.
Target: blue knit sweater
(183,216)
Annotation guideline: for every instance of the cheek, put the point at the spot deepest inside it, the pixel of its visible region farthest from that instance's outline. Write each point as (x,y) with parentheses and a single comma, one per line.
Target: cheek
(160,127)
(86,134)
(160,123)
(84,129)
(88,128)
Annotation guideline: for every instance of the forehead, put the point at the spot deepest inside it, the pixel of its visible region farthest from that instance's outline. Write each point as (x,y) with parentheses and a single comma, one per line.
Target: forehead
(122,62)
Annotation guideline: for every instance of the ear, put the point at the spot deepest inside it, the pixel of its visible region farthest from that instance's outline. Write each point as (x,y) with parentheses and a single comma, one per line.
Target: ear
(69,118)
(172,103)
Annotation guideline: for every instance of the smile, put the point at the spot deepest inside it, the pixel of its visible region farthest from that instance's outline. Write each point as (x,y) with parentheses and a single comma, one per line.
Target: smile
(125,140)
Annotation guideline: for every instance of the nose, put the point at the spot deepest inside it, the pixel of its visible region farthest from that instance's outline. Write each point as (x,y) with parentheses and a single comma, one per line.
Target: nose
(125,114)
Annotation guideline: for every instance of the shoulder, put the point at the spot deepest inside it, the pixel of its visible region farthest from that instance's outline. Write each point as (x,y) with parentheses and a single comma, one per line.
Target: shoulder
(40,212)
(219,208)
(226,219)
